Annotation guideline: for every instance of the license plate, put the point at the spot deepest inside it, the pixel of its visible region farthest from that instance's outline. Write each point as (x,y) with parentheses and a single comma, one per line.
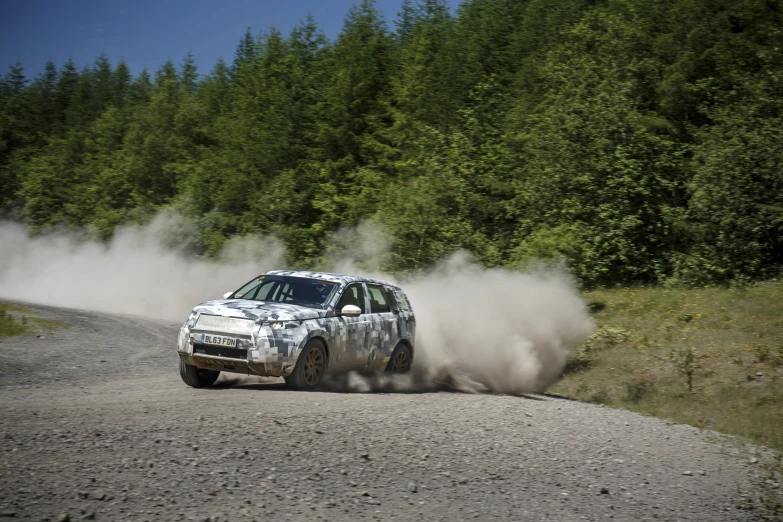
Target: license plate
(219,340)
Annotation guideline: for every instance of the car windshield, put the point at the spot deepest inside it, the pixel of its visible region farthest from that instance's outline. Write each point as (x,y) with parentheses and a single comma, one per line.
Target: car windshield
(301,291)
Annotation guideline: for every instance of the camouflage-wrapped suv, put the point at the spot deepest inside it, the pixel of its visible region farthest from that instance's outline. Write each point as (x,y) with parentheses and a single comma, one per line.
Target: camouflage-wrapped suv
(300,326)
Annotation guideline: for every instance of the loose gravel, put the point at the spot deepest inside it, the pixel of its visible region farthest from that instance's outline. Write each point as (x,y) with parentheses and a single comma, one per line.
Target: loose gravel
(97,425)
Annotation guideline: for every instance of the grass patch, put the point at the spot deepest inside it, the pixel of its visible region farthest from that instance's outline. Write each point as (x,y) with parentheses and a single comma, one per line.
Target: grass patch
(7,307)
(710,357)
(12,324)
(47,325)
(17,320)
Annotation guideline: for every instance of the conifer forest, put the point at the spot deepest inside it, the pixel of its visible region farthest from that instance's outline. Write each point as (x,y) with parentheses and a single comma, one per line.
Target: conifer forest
(635,141)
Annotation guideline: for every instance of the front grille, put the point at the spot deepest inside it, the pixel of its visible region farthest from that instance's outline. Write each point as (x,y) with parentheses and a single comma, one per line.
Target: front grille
(228,325)
(219,351)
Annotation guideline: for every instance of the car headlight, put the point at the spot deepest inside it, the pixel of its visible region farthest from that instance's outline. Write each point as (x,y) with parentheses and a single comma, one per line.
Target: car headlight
(182,341)
(277,325)
(191,322)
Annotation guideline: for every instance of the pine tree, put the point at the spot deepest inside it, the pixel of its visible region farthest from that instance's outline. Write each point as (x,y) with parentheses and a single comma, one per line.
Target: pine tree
(406,20)
(14,80)
(354,113)
(213,90)
(64,92)
(424,81)
(166,73)
(141,88)
(81,105)
(306,80)
(46,103)
(189,73)
(103,86)
(246,51)
(354,103)
(122,79)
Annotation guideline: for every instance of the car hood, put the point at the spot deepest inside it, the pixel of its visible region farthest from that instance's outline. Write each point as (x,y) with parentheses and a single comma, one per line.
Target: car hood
(257,310)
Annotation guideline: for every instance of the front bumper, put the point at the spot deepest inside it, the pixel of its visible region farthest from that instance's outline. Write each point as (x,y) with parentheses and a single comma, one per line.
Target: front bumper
(268,353)
(237,366)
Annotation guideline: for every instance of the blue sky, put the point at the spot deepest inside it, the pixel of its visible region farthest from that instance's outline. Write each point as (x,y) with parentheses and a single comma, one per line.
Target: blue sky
(146,32)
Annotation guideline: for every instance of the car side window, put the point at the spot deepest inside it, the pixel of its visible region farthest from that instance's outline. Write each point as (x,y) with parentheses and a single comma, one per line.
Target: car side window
(378,302)
(393,303)
(352,295)
(406,304)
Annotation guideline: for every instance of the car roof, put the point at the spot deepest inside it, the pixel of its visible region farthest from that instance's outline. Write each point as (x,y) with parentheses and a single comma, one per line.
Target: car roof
(325,276)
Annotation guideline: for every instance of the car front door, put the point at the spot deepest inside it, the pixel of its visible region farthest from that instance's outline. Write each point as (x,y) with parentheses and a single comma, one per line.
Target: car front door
(384,334)
(350,342)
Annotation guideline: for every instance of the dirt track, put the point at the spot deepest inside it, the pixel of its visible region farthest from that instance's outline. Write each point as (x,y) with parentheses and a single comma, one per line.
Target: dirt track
(96,423)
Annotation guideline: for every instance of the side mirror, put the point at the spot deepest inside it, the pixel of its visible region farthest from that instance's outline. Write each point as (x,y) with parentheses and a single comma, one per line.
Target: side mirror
(227,295)
(351,311)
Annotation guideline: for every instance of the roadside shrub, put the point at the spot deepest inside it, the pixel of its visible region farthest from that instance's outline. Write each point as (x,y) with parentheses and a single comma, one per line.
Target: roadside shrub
(741,283)
(579,361)
(639,386)
(10,325)
(600,396)
(686,361)
(762,352)
(767,354)
(604,337)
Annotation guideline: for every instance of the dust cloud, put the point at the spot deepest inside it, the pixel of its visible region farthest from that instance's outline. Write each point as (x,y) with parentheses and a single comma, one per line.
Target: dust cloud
(144,270)
(478,329)
(496,329)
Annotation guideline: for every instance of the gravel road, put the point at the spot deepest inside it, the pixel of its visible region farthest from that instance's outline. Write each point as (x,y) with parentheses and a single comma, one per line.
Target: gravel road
(96,424)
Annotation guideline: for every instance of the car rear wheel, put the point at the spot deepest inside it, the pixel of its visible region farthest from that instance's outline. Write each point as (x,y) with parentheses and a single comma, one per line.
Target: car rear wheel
(197,377)
(310,368)
(401,359)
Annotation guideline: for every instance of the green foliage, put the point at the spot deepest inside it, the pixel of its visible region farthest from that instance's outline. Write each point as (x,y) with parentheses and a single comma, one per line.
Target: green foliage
(639,386)
(630,141)
(686,362)
(590,166)
(769,354)
(603,338)
(642,357)
(11,325)
(17,320)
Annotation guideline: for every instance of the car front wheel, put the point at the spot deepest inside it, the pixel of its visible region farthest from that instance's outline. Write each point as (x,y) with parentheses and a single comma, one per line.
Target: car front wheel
(310,367)
(197,377)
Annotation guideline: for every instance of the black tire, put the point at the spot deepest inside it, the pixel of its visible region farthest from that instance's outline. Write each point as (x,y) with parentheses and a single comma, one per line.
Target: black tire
(401,359)
(310,368)
(197,377)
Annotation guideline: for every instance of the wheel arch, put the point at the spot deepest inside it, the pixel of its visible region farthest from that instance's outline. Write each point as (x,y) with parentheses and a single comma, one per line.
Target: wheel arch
(323,341)
(409,344)
(319,335)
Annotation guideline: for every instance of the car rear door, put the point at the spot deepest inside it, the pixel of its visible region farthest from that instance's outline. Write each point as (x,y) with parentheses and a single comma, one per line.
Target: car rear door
(384,334)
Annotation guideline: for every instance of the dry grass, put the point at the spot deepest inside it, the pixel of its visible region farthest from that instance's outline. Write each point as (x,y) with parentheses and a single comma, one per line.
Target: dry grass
(17,320)
(653,341)
(12,324)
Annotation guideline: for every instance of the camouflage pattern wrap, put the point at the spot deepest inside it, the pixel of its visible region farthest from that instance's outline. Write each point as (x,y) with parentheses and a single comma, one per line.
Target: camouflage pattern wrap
(269,336)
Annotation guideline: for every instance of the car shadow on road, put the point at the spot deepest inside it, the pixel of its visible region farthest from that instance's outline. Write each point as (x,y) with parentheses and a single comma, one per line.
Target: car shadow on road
(373,383)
